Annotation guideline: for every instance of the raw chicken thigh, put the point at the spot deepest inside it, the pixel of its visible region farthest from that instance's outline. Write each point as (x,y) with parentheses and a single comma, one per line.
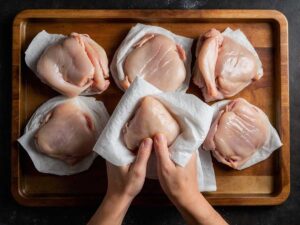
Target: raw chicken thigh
(159,60)
(67,133)
(239,130)
(75,64)
(223,67)
(150,118)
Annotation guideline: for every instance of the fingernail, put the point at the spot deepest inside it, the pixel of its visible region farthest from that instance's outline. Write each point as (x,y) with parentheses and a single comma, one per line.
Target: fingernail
(147,142)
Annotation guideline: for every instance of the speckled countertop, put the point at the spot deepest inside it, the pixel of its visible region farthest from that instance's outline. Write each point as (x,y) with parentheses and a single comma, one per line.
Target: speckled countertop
(12,213)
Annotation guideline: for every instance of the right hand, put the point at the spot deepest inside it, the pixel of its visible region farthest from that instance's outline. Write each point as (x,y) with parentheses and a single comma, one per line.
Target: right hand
(179,183)
(181,186)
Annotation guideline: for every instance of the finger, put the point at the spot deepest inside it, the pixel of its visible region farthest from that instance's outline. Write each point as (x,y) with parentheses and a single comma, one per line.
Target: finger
(143,155)
(162,151)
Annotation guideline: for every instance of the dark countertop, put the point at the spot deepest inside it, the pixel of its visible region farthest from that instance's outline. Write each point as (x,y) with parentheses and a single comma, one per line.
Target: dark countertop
(12,213)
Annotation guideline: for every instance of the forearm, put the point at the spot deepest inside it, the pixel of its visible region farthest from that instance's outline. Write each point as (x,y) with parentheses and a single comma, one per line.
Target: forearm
(198,211)
(111,211)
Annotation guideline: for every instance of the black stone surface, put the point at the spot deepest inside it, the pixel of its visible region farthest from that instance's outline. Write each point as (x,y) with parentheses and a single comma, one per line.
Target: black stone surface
(12,213)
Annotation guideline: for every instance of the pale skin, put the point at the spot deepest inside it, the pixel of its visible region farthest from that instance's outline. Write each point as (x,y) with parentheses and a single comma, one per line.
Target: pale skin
(179,184)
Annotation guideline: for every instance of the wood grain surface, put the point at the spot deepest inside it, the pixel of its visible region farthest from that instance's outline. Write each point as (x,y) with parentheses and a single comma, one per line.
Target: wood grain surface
(266,183)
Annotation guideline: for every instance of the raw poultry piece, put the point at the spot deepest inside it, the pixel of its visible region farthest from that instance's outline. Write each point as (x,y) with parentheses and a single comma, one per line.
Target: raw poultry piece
(159,60)
(223,66)
(150,118)
(73,65)
(238,131)
(67,133)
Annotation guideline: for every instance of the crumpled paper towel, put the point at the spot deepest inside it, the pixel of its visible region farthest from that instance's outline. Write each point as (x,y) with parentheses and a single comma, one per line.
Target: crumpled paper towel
(46,164)
(272,143)
(134,35)
(193,116)
(36,48)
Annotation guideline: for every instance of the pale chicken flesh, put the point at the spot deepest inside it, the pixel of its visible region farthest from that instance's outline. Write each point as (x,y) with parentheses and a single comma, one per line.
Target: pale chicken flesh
(150,118)
(223,66)
(67,133)
(75,64)
(239,130)
(159,60)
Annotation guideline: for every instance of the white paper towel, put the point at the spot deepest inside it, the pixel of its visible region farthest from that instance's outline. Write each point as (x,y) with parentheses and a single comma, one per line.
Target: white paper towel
(36,48)
(134,35)
(46,164)
(272,142)
(193,116)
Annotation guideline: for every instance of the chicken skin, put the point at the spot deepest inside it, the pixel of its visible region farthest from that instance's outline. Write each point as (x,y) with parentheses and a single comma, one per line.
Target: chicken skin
(150,118)
(239,130)
(223,67)
(75,64)
(67,133)
(159,60)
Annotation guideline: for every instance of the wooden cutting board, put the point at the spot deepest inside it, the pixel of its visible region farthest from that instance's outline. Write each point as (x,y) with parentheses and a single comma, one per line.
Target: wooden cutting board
(267,183)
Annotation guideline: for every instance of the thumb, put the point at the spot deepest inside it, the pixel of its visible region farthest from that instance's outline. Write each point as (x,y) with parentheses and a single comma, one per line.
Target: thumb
(162,150)
(143,155)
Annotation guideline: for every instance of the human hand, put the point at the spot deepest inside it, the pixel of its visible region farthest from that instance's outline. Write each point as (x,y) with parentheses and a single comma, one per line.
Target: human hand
(179,183)
(124,183)
(181,186)
(127,181)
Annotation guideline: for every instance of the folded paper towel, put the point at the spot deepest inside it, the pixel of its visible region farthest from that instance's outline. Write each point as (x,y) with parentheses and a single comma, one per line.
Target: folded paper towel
(46,164)
(193,116)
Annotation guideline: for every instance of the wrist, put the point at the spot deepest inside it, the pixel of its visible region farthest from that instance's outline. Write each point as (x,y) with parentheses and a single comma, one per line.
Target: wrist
(112,208)
(197,207)
(185,200)
(192,201)
(118,198)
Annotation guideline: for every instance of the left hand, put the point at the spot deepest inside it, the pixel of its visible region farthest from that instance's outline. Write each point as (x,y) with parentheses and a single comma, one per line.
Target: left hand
(127,181)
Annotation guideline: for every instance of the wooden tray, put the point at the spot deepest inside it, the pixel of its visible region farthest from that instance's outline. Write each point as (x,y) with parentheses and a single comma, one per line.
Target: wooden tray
(267,183)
